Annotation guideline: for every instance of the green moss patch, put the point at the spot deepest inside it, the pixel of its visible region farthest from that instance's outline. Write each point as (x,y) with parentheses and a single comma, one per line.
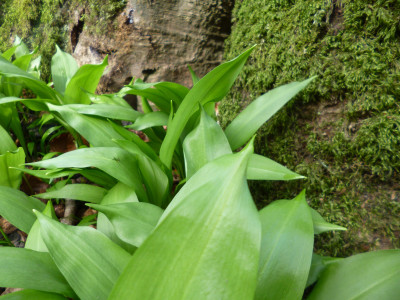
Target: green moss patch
(343,131)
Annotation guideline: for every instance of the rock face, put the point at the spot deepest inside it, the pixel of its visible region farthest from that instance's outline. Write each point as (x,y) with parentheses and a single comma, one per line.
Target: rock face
(155,41)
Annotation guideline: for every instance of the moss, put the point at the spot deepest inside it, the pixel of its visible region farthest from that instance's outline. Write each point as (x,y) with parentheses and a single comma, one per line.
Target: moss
(44,23)
(343,131)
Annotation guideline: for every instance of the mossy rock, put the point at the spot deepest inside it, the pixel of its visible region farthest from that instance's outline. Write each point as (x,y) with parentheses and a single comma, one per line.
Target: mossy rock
(44,23)
(343,131)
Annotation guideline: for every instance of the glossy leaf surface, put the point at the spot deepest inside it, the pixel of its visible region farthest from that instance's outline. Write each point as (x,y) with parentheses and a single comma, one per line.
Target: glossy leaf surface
(63,68)
(16,208)
(245,125)
(209,236)
(211,88)
(263,168)
(89,261)
(85,79)
(24,268)
(8,161)
(320,225)
(116,162)
(32,295)
(372,275)
(83,192)
(286,249)
(133,222)
(204,144)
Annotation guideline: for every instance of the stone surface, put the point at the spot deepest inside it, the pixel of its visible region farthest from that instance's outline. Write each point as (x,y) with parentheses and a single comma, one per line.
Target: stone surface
(155,41)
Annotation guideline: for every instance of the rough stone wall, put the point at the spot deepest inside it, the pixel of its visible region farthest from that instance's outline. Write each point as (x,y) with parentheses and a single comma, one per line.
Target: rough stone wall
(143,38)
(156,41)
(343,132)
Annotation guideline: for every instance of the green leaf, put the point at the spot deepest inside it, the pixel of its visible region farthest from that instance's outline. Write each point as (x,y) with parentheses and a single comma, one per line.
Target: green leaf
(82,192)
(263,168)
(209,237)
(110,111)
(195,78)
(24,268)
(22,49)
(120,193)
(320,225)
(116,162)
(89,261)
(34,240)
(9,52)
(152,119)
(17,207)
(32,295)
(132,222)
(245,125)
(204,144)
(10,176)
(160,93)
(318,265)
(372,275)
(84,80)
(6,142)
(211,88)
(154,178)
(286,249)
(37,86)
(98,132)
(63,68)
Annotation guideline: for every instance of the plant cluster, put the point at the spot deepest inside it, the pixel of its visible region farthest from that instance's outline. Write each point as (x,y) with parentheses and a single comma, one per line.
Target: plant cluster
(176,219)
(343,132)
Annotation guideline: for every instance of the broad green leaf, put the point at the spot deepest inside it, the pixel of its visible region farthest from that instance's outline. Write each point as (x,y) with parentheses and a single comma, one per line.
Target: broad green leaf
(263,168)
(32,295)
(110,111)
(154,178)
(372,275)
(22,49)
(6,142)
(84,80)
(245,125)
(211,88)
(89,261)
(206,244)
(37,104)
(113,99)
(83,192)
(34,240)
(9,52)
(116,162)
(37,86)
(132,137)
(320,225)
(286,249)
(98,132)
(120,193)
(204,144)
(133,222)
(16,208)
(10,176)
(318,265)
(152,119)
(24,268)
(63,68)
(160,93)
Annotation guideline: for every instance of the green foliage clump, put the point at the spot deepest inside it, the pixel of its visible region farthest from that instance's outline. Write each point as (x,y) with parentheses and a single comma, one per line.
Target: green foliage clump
(343,133)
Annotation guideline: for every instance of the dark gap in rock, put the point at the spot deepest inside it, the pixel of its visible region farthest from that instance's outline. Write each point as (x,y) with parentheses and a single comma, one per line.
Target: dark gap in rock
(76,31)
(147,73)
